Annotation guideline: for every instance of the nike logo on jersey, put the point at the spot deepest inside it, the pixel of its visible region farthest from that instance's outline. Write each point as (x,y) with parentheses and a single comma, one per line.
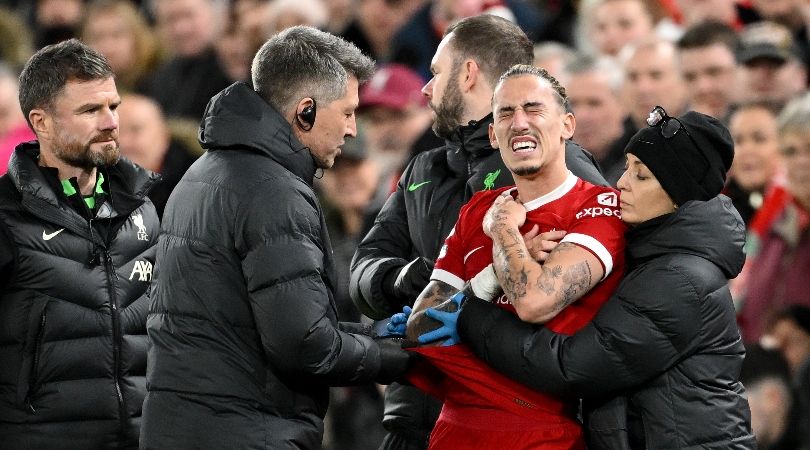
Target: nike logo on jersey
(415,186)
(49,236)
(471,252)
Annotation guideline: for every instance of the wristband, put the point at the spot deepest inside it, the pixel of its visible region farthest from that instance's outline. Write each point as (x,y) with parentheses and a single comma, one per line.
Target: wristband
(485,284)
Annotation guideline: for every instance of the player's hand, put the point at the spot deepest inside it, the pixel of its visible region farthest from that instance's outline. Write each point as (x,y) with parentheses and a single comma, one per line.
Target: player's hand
(448,318)
(505,212)
(541,244)
(397,324)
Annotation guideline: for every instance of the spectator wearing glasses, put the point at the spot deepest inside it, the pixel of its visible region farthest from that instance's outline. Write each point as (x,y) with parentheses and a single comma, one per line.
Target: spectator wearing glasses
(658,367)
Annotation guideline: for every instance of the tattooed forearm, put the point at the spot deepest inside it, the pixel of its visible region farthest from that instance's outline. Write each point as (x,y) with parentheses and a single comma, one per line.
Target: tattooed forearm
(548,278)
(514,284)
(508,256)
(434,295)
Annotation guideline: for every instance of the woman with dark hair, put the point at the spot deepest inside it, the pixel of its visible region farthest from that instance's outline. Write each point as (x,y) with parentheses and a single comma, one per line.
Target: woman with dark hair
(658,366)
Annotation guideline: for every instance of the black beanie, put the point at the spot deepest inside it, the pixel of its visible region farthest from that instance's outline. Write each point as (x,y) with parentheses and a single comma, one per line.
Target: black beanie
(678,163)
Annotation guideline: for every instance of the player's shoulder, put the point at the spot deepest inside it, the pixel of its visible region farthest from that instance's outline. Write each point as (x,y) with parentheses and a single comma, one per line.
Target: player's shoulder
(485,198)
(587,192)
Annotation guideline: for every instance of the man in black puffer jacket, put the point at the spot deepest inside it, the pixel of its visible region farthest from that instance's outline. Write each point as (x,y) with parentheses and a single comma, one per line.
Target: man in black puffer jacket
(77,237)
(394,261)
(244,338)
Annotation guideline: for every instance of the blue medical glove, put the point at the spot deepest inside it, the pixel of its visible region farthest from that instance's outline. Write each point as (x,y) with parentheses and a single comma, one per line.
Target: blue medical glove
(398,323)
(448,330)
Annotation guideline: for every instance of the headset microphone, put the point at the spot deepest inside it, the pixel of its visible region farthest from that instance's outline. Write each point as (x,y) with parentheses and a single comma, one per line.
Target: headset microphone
(306,118)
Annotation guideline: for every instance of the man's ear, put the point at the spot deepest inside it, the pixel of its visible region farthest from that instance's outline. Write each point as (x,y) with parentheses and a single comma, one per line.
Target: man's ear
(493,141)
(569,125)
(40,122)
(471,75)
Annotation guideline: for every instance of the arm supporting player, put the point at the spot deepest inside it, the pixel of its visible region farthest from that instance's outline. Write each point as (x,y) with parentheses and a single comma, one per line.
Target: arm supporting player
(537,291)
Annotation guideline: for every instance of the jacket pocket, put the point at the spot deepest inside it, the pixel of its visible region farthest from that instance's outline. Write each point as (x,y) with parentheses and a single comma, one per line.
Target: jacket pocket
(33,374)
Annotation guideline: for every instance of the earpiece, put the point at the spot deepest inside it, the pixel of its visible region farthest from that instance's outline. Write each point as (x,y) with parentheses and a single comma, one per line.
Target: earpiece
(306,118)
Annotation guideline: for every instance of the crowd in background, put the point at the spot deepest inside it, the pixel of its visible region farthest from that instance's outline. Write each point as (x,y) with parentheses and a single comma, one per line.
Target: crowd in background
(744,63)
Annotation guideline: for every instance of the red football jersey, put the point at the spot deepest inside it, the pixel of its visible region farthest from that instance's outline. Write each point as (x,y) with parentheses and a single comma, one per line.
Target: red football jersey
(591,217)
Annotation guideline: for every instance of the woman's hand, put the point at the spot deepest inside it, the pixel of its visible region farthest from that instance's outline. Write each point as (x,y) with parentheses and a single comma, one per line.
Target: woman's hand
(505,212)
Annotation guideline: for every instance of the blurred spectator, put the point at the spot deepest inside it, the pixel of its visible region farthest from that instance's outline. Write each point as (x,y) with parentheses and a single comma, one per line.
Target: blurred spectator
(235,48)
(775,418)
(778,247)
(15,39)
(652,77)
(184,84)
(376,22)
(417,40)
(341,13)
(118,31)
(396,118)
(145,139)
(756,156)
(791,14)
(730,12)
(553,57)
(603,126)
(283,14)
(772,69)
(789,331)
(606,26)
(709,68)
(13,126)
(56,20)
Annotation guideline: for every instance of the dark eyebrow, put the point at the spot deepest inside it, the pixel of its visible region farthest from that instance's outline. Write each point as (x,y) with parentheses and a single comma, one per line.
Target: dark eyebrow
(526,105)
(89,106)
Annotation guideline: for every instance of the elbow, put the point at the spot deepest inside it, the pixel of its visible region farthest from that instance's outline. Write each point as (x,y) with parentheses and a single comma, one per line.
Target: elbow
(532,312)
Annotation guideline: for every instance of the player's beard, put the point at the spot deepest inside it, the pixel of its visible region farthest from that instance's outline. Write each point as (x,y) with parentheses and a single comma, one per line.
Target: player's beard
(526,171)
(449,111)
(77,154)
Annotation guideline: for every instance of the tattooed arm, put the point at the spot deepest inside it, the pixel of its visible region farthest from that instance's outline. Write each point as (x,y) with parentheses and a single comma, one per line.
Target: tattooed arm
(537,291)
(436,295)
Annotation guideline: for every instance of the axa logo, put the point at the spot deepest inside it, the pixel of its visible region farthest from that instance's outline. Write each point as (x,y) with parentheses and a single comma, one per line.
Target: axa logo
(143,269)
(137,219)
(607,199)
(598,211)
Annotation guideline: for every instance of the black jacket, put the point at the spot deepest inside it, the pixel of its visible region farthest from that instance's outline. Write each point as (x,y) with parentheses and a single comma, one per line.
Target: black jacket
(414,222)
(658,367)
(73,307)
(244,338)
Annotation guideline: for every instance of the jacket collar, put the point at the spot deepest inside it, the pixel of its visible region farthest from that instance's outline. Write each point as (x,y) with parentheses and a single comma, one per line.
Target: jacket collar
(41,192)
(469,141)
(712,230)
(126,179)
(238,118)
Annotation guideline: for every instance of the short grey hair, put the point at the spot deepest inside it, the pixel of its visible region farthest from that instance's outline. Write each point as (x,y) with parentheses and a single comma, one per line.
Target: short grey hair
(525,69)
(303,62)
(47,72)
(795,117)
(600,64)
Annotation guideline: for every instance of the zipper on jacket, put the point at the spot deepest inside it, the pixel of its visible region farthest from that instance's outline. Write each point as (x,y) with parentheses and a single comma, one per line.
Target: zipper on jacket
(117,336)
(32,377)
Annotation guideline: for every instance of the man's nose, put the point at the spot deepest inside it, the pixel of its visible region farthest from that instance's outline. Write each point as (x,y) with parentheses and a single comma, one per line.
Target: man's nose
(520,121)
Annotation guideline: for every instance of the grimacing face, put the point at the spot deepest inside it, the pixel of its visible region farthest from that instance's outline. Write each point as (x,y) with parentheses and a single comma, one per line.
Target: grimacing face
(530,127)
(642,198)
